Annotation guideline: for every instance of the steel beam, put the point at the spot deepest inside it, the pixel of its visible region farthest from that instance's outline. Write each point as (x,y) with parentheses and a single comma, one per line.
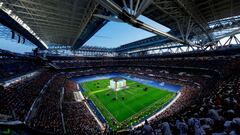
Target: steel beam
(8,21)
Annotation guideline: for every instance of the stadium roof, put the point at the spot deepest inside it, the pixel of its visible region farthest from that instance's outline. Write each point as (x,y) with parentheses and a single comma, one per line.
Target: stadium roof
(72,22)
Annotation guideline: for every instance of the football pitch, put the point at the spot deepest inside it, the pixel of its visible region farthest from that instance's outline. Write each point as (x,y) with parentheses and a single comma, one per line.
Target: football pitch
(125,107)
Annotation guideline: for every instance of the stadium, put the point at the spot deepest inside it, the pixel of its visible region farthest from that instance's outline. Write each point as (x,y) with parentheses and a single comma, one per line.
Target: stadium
(137,67)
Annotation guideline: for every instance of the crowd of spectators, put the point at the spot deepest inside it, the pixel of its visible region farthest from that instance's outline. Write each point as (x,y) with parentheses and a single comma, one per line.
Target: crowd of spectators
(69,88)
(196,112)
(204,62)
(216,114)
(12,68)
(17,98)
(79,120)
(207,104)
(48,116)
(51,113)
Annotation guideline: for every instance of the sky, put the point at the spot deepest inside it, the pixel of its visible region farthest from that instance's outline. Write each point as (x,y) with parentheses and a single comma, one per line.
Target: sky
(14,46)
(114,34)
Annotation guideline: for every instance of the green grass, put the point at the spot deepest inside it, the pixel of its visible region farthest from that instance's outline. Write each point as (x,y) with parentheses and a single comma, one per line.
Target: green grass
(137,104)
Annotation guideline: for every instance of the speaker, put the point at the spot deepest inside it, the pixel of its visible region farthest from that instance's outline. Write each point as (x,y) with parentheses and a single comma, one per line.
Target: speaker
(13,34)
(19,38)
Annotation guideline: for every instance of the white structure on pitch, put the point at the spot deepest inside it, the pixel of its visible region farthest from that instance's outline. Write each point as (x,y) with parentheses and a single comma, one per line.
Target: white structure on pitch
(117,83)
